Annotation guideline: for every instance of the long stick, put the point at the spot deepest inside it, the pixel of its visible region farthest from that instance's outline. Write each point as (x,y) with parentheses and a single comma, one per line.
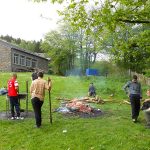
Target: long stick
(27,90)
(50,105)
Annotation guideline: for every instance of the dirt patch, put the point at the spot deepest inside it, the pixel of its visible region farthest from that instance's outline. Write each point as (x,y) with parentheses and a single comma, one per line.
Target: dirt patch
(4,115)
(93,114)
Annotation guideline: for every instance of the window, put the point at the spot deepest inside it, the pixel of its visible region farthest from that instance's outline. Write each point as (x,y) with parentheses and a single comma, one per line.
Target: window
(16,59)
(22,60)
(34,63)
(28,62)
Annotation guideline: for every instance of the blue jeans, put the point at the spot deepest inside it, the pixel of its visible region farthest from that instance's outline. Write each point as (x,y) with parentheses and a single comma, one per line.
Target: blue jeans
(14,103)
(37,105)
(135,105)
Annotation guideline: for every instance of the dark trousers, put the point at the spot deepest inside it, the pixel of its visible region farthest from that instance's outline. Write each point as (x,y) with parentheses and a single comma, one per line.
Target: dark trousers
(37,104)
(135,105)
(14,103)
(92,94)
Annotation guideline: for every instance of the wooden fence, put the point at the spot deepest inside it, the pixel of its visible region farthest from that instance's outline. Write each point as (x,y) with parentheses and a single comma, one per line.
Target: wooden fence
(142,78)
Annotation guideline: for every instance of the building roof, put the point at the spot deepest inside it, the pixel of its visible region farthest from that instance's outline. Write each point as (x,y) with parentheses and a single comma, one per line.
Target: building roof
(13,46)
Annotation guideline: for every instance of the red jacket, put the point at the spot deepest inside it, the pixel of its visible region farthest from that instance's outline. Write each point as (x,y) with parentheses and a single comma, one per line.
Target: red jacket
(12,87)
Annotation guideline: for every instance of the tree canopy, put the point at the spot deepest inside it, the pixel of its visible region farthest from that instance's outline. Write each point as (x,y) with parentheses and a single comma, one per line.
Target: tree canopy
(33,46)
(122,27)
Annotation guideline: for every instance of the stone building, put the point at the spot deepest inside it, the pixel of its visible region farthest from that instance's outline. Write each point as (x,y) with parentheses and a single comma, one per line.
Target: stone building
(15,59)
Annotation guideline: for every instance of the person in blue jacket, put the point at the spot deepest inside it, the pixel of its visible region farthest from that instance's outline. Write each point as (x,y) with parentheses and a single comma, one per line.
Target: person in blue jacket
(133,89)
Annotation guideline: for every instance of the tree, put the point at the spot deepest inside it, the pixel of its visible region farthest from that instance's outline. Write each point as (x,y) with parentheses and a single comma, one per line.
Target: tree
(119,18)
(61,50)
(28,45)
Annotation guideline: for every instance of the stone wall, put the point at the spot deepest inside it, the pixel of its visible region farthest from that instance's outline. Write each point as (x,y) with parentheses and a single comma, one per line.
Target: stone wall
(41,63)
(5,58)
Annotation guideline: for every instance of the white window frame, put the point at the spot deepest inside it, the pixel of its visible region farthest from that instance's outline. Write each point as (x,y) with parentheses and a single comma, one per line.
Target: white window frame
(16,59)
(22,60)
(28,62)
(34,63)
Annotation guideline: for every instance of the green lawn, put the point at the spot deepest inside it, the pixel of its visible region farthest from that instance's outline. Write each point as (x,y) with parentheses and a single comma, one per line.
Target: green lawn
(112,131)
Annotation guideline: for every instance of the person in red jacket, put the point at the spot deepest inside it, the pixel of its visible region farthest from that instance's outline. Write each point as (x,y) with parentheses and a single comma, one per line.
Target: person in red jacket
(13,96)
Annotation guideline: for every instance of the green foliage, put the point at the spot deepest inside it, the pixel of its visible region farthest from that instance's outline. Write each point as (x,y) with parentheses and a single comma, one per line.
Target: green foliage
(129,50)
(103,67)
(61,49)
(28,45)
(121,27)
(120,19)
(147,73)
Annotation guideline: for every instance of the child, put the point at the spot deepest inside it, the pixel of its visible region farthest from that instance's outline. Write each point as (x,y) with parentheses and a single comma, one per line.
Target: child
(92,90)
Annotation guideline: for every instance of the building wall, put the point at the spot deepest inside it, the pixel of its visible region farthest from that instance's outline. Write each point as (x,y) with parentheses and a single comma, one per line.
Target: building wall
(43,65)
(29,62)
(5,58)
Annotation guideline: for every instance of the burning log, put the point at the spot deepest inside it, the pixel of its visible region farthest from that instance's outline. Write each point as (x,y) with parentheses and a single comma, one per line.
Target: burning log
(126,102)
(97,99)
(61,98)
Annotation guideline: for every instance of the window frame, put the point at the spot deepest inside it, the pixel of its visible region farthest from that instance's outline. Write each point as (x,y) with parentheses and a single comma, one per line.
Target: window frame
(28,61)
(16,59)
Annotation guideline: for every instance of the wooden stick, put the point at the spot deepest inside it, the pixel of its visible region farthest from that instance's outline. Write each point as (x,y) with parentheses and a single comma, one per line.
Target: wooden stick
(27,90)
(50,105)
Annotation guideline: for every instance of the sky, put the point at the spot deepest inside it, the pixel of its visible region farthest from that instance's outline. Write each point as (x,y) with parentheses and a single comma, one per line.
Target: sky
(27,20)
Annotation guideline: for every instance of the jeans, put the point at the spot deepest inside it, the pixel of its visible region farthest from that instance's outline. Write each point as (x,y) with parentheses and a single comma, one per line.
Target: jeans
(14,103)
(135,105)
(37,104)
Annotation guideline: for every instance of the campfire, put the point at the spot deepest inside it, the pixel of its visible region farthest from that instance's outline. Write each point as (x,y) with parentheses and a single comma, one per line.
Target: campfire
(79,107)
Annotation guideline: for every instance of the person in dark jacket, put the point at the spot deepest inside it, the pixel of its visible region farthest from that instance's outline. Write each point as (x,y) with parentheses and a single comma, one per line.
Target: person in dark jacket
(133,89)
(92,90)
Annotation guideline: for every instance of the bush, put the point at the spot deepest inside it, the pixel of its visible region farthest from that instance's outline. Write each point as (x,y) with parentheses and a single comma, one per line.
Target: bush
(147,73)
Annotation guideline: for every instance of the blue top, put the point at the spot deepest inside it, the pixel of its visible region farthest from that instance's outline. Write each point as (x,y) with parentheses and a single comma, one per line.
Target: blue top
(133,88)
(92,89)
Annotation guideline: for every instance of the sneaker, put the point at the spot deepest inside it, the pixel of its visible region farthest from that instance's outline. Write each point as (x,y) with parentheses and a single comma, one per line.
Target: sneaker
(37,126)
(19,118)
(12,118)
(134,120)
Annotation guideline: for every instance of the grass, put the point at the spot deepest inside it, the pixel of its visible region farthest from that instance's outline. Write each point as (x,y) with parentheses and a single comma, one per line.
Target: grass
(112,131)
